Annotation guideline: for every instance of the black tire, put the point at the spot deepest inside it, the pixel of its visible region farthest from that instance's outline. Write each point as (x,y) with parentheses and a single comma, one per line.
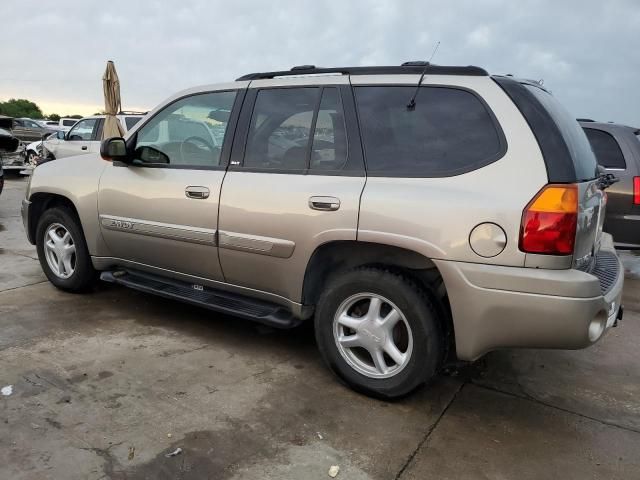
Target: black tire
(412,301)
(84,275)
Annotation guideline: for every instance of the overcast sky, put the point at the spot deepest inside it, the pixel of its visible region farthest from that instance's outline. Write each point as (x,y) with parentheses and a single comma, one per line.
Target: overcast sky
(587,52)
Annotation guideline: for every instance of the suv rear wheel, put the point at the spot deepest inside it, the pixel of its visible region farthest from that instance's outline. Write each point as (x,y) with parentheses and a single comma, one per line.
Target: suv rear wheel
(378,332)
(62,251)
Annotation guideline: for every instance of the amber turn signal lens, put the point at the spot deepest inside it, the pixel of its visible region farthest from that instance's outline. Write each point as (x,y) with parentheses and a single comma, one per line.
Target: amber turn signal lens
(549,221)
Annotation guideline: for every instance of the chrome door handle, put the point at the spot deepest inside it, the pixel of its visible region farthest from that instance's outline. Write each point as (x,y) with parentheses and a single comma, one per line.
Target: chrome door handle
(197,193)
(327,204)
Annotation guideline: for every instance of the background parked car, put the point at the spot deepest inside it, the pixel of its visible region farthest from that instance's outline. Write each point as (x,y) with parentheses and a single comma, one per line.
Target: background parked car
(11,151)
(1,178)
(27,130)
(34,150)
(63,124)
(84,136)
(617,148)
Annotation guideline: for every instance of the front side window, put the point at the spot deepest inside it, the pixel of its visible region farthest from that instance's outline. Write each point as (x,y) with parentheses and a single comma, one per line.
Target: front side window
(607,150)
(189,132)
(83,130)
(449,132)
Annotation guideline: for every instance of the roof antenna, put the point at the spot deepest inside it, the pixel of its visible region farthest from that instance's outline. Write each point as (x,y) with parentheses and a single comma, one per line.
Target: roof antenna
(412,103)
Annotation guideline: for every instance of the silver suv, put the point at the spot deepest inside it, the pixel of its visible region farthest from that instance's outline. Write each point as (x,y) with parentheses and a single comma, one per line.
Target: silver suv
(414,212)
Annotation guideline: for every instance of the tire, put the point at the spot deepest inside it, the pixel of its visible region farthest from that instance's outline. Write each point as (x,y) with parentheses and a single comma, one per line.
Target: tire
(417,334)
(81,276)
(31,158)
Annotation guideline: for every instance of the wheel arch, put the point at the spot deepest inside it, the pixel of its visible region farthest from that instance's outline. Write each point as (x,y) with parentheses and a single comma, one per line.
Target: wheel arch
(332,258)
(43,201)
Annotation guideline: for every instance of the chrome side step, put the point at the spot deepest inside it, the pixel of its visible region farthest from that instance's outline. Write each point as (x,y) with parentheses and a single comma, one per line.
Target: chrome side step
(224,302)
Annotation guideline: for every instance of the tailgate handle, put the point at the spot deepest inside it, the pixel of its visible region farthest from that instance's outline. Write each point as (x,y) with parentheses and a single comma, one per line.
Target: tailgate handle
(327,204)
(197,193)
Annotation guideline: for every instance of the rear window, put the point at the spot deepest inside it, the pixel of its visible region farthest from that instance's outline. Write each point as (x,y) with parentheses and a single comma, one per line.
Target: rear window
(584,161)
(68,123)
(606,148)
(449,132)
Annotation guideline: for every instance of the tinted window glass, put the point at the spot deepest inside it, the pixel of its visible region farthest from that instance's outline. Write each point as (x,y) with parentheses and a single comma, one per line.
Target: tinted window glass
(280,128)
(68,123)
(190,131)
(583,158)
(606,148)
(131,121)
(30,124)
(329,150)
(449,132)
(83,130)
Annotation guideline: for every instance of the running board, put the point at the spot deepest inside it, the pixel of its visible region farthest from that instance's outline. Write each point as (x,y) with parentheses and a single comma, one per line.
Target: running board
(217,300)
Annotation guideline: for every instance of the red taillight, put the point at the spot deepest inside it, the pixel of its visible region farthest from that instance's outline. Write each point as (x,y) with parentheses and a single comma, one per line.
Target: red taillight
(549,221)
(636,190)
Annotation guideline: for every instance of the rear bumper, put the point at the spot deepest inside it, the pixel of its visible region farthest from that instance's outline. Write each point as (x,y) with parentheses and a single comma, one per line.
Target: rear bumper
(504,307)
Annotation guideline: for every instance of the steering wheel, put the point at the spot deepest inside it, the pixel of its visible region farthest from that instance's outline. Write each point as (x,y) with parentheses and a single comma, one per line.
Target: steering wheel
(191,141)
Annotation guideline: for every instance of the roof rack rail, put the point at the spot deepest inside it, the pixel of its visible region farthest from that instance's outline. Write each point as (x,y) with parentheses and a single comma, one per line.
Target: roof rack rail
(585,120)
(131,112)
(406,68)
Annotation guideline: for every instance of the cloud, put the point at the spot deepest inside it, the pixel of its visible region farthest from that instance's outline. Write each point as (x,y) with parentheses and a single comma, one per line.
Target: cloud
(584,50)
(479,37)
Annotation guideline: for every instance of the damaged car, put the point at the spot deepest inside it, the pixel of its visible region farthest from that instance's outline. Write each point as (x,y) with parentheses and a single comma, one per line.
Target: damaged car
(11,151)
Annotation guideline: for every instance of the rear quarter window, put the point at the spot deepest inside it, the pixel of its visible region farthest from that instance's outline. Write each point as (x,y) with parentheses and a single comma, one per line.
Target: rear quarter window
(580,151)
(606,149)
(449,132)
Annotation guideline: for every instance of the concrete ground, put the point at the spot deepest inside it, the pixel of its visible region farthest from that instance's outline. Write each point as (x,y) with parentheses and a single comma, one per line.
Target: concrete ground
(104,385)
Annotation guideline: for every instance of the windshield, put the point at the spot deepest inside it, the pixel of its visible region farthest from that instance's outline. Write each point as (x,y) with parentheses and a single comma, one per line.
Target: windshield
(582,155)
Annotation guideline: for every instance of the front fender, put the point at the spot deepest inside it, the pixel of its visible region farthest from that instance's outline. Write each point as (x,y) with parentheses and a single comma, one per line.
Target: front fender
(77,179)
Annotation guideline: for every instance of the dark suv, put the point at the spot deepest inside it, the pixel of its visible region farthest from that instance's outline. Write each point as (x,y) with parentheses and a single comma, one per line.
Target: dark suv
(617,149)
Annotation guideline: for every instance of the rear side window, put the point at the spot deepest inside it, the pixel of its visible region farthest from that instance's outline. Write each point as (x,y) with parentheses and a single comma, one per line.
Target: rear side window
(606,148)
(449,132)
(68,123)
(292,129)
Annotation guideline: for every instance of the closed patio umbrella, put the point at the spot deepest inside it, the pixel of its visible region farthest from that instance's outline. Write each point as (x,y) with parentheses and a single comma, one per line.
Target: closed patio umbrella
(112,102)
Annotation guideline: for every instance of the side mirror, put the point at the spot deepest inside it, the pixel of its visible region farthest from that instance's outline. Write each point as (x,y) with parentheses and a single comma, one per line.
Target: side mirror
(60,135)
(114,149)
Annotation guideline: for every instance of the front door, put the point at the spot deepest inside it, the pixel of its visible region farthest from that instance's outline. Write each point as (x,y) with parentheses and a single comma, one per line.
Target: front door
(162,209)
(78,140)
(294,183)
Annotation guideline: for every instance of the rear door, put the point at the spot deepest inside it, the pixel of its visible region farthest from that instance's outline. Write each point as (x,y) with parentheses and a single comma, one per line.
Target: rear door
(294,182)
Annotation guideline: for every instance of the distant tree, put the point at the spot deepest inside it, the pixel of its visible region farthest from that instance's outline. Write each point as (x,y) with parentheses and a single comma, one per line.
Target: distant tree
(54,116)
(75,116)
(19,107)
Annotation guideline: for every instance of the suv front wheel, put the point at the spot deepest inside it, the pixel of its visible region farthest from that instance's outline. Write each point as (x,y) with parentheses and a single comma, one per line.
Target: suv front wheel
(378,331)
(62,251)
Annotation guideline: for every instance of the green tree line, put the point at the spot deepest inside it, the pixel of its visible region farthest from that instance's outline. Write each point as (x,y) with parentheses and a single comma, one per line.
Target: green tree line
(21,107)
